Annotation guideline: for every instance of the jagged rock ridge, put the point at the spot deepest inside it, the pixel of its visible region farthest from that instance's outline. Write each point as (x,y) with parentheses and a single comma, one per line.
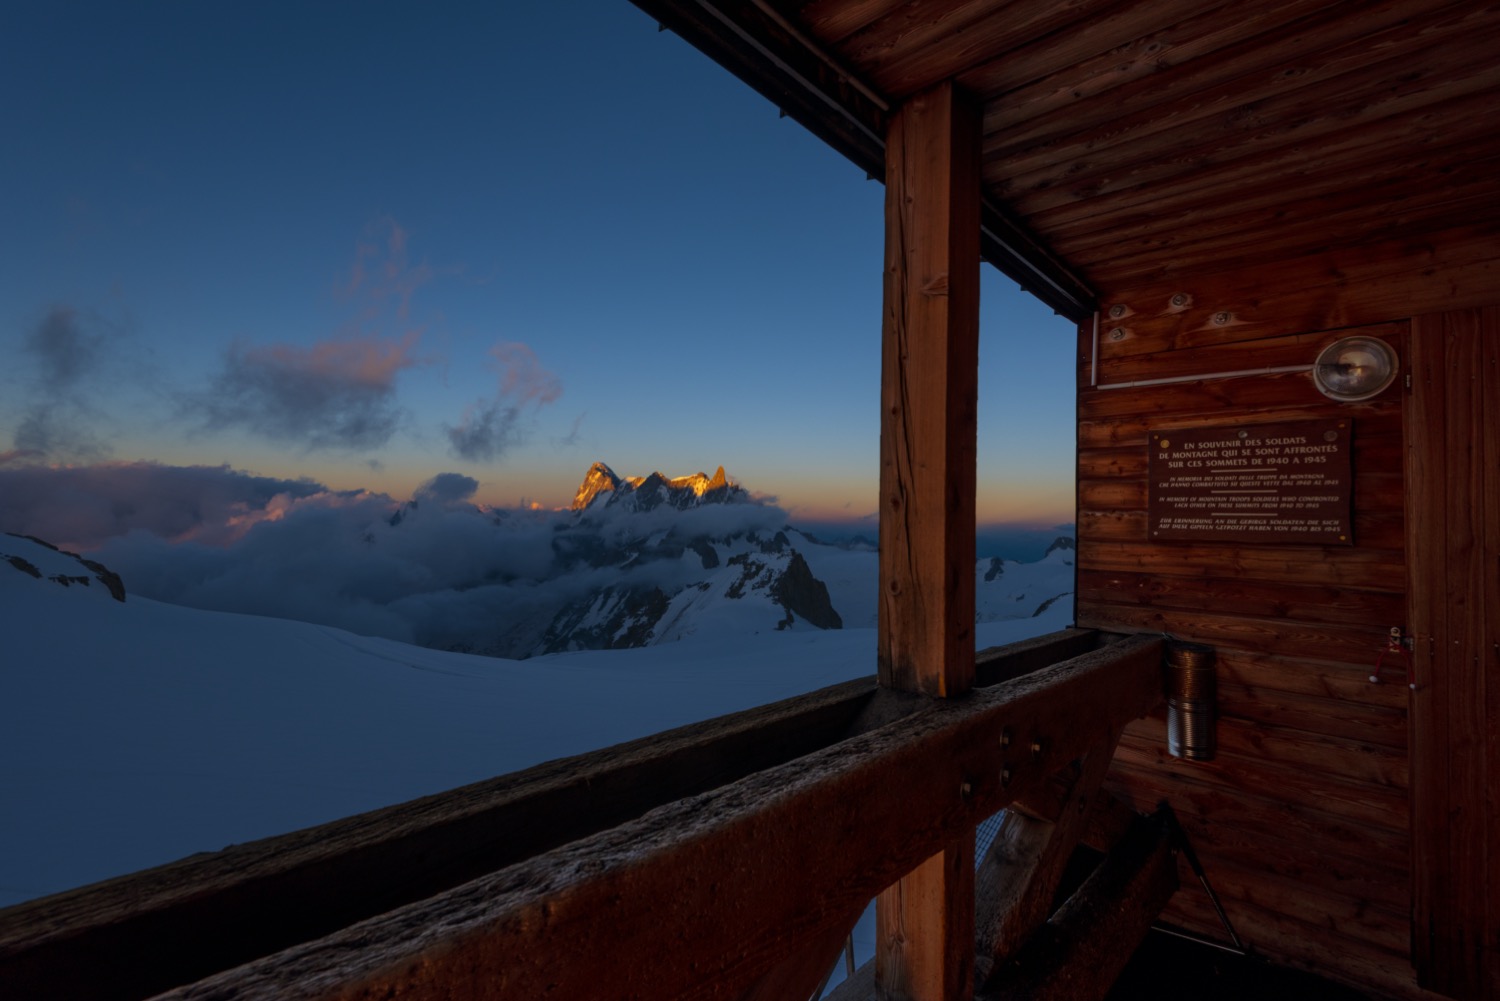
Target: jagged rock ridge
(61,568)
(644,493)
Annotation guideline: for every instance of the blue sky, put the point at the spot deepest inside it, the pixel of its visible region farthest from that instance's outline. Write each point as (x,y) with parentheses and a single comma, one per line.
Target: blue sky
(368,243)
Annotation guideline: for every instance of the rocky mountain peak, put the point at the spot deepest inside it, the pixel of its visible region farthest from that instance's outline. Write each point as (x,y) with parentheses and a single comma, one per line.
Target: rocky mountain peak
(643,493)
(600,479)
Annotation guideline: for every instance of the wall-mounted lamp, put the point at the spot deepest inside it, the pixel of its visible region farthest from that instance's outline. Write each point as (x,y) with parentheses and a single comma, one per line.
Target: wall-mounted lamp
(1355,368)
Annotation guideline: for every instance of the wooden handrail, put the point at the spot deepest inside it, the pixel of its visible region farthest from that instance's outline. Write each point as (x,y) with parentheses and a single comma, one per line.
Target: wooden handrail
(138,935)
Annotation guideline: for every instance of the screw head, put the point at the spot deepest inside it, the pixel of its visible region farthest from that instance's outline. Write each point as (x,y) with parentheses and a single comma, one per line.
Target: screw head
(1180,299)
(1221,318)
(1116,311)
(1117,334)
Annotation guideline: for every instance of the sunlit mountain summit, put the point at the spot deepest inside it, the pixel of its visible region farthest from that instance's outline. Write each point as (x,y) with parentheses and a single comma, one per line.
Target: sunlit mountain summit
(643,493)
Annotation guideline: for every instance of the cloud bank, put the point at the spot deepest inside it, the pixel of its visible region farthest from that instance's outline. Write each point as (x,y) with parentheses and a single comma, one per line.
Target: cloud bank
(435,570)
(83,507)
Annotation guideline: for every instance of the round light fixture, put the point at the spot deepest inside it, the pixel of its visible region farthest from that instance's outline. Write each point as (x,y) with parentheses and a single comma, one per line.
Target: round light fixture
(1355,368)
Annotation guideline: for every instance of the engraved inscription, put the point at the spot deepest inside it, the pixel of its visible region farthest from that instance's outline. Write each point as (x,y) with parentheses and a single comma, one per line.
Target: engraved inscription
(1275,483)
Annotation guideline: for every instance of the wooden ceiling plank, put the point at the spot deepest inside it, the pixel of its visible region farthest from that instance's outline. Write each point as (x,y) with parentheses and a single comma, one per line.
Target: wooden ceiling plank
(1355,85)
(1335,181)
(1082,61)
(1271,196)
(832,21)
(1279,164)
(1331,42)
(1320,215)
(1206,262)
(961,47)
(908,26)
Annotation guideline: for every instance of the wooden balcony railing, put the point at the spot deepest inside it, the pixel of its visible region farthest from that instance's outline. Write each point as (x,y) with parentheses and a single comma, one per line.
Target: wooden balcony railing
(729,858)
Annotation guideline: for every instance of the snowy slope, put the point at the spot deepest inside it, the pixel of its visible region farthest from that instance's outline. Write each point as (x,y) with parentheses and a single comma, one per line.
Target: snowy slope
(135,733)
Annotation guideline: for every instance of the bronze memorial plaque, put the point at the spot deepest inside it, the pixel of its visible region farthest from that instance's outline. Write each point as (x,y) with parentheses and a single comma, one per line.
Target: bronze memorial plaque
(1277,483)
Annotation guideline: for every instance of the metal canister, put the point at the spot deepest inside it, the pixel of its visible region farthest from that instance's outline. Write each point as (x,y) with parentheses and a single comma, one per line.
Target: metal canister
(1191,693)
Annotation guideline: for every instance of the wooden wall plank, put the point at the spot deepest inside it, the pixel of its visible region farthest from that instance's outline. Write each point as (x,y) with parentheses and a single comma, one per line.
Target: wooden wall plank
(1300,944)
(1374,808)
(1303,602)
(1351,719)
(1237,349)
(1488,375)
(1115,430)
(1455,746)
(1314,565)
(1304,806)
(1339,682)
(1341,287)
(1262,813)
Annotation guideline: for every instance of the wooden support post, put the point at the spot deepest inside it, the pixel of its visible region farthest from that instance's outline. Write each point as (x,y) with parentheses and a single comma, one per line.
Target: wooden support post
(1453,597)
(929,388)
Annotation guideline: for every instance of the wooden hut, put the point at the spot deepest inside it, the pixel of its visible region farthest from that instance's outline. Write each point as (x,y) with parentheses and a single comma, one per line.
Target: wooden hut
(1217,194)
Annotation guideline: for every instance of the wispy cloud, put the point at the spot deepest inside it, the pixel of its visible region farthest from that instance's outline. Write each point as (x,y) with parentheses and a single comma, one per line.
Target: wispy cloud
(338,394)
(341,392)
(63,350)
(573,437)
(382,275)
(490,428)
(53,432)
(65,353)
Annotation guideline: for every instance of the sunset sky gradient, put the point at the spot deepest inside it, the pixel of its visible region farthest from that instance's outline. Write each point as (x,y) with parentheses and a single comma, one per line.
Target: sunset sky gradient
(369,243)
